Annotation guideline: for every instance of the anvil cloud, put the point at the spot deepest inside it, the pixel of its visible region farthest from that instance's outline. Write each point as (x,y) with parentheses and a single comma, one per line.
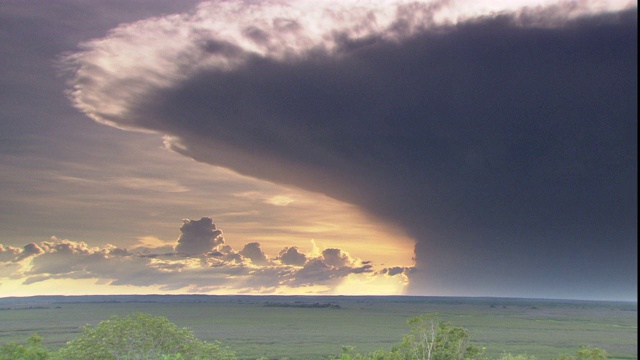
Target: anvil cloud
(505,144)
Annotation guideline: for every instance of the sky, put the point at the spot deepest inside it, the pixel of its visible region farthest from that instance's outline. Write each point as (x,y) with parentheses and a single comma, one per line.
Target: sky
(438,148)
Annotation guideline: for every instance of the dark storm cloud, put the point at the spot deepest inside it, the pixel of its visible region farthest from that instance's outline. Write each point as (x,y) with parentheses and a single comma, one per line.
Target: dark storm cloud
(508,152)
(32,35)
(489,141)
(198,236)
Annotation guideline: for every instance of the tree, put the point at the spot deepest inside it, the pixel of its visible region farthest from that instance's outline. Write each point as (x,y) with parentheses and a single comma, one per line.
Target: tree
(33,350)
(429,339)
(586,353)
(433,339)
(140,336)
(591,353)
(509,356)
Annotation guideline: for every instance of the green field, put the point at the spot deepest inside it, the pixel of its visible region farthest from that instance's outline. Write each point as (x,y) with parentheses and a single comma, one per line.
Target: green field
(317,327)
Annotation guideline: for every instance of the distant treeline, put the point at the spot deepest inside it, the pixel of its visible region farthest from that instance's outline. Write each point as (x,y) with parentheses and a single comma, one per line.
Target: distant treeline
(297,304)
(26,308)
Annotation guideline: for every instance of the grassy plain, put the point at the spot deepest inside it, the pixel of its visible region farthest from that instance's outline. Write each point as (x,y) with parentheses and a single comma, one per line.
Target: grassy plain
(293,327)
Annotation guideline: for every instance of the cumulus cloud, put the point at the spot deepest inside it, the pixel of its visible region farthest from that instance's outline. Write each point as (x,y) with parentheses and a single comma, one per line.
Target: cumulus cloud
(29,250)
(291,256)
(199,236)
(396,270)
(227,253)
(253,252)
(70,259)
(335,257)
(485,137)
(7,253)
(223,269)
(148,245)
(318,271)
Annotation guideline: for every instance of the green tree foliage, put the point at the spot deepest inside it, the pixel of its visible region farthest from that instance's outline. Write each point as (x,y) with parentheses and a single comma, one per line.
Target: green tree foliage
(591,353)
(146,337)
(586,353)
(429,339)
(509,356)
(140,336)
(433,339)
(32,350)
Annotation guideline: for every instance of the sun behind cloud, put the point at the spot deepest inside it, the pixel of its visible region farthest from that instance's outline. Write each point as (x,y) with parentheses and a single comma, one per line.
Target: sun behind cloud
(199,261)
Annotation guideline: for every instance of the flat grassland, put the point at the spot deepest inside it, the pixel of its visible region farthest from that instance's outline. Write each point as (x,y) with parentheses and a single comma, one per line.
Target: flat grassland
(302,327)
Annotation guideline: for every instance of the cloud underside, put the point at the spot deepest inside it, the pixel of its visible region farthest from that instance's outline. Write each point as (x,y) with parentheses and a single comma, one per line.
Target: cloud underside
(216,268)
(485,138)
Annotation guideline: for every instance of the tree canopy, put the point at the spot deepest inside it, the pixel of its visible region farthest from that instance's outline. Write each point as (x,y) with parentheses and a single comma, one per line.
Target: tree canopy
(433,339)
(140,336)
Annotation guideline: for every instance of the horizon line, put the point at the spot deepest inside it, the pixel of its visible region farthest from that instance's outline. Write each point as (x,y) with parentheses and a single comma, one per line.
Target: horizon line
(329,295)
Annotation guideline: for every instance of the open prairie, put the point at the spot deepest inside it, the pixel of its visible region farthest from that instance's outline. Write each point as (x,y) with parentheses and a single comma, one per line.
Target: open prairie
(300,327)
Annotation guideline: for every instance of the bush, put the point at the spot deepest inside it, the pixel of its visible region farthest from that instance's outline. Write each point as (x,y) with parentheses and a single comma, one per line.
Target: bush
(508,356)
(432,339)
(33,350)
(586,353)
(429,339)
(140,336)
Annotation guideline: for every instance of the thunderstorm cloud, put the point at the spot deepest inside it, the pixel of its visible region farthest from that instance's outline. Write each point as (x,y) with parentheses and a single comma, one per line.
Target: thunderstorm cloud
(505,144)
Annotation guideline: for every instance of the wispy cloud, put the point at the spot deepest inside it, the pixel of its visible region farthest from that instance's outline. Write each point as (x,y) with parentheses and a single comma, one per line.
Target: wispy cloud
(135,183)
(273,199)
